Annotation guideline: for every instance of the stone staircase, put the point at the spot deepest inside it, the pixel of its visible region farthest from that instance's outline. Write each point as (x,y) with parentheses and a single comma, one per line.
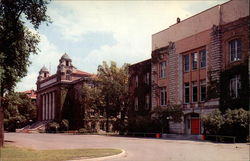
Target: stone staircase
(36,127)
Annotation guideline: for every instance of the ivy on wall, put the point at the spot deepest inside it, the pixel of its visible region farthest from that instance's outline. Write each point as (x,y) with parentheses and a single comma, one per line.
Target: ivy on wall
(226,101)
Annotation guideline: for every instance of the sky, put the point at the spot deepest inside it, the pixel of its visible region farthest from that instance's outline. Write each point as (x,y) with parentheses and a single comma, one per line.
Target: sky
(97,31)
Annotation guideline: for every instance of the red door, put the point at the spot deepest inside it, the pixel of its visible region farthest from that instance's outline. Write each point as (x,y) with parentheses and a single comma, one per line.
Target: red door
(195,126)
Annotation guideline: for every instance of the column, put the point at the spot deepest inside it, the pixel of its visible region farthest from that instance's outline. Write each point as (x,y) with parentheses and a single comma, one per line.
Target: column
(50,110)
(43,107)
(47,106)
(53,105)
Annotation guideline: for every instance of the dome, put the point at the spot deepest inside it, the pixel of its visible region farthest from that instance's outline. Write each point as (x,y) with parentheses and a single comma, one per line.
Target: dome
(65,56)
(44,69)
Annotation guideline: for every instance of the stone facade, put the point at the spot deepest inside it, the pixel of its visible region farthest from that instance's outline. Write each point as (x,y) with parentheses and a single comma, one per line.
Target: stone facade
(196,52)
(58,94)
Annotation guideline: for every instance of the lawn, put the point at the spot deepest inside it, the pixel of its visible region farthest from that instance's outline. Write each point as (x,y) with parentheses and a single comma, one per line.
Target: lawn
(12,153)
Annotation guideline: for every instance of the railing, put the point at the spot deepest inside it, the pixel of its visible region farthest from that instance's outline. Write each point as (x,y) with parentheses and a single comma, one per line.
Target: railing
(221,138)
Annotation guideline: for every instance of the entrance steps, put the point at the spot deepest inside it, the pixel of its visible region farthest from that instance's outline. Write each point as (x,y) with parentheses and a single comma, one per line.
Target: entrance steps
(36,127)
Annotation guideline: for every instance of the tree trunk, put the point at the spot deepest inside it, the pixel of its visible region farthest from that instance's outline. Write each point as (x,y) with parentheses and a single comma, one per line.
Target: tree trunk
(107,123)
(1,121)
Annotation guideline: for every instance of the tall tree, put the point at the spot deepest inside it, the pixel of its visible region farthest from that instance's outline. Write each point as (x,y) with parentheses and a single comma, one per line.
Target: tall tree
(114,89)
(17,42)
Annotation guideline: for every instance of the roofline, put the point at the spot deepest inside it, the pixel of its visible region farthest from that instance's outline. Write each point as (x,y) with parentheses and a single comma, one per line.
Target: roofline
(192,16)
(140,62)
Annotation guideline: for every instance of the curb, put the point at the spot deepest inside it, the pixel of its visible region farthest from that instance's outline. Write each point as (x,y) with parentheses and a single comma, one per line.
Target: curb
(122,154)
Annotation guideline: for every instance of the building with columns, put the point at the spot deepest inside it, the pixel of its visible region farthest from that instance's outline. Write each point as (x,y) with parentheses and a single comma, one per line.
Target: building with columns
(200,63)
(58,95)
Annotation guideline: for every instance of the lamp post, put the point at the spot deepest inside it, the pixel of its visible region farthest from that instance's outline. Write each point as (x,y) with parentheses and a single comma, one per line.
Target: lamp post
(168,119)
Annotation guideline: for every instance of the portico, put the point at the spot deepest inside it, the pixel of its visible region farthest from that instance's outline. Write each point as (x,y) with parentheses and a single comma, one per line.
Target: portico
(48,105)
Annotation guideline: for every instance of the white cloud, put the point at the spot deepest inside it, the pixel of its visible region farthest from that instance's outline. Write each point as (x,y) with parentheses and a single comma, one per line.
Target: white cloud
(48,56)
(132,24)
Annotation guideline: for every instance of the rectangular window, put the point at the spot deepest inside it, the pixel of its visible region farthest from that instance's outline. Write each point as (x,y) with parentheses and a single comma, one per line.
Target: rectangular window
(194,57)
(186,92)
(163,95)
(194,92)
(163,69)
(203,90)
(235,50)
(235,86)
(147,103)
(203,58)
(136,81)
(136,103)
(186,63)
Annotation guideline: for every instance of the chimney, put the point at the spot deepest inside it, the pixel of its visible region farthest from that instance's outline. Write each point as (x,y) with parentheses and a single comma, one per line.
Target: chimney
(178,20)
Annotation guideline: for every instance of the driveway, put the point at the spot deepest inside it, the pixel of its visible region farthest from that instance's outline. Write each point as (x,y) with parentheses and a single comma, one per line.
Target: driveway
(137,149)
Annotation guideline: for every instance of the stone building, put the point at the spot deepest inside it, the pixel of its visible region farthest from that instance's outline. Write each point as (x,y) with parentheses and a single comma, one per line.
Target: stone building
(58,95)
(190,57)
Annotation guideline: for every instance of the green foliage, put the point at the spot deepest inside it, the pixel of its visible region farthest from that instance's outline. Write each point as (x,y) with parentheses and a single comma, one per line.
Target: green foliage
(232,123)
(19,111)
(213,122)
(52,127)
(163,115)
(12,153)
(144,124)
(16,40)
(64,125)
(226,101)
(113,84)
(171,110)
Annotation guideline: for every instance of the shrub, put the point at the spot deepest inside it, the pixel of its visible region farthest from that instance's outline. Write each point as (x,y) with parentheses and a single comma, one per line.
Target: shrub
(232,123)
(52,127)
(64,125)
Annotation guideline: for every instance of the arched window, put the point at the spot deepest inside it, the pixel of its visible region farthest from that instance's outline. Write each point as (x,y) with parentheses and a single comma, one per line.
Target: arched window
(67,63)
(68,77)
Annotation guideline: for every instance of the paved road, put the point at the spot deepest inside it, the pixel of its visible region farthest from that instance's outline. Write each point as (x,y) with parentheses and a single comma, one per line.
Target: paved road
(138,149)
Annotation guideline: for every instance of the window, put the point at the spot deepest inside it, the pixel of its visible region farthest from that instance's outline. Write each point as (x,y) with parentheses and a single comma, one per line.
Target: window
(235,50)
(203,90)
(163,97)
(136,103)
(136,81)
(235,86)
(67,63)
(203,58)
(147,103)
(186,92)
(45,74)
(148,78)
(186,63)
(68,75)
(194,92)
(163,69)
(194,60)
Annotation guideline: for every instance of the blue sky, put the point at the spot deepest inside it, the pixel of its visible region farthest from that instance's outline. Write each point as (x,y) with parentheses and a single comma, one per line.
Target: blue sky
(97,31)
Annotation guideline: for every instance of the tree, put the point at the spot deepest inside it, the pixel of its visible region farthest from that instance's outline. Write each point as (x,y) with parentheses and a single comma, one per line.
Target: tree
(231,123)
(113,83)
(17,42)
(19,111)
(164,114)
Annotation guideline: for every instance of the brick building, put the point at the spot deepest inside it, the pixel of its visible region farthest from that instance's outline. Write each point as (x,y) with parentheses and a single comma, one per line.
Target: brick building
(31,94)
(58,96)
(140,89)
(190,63)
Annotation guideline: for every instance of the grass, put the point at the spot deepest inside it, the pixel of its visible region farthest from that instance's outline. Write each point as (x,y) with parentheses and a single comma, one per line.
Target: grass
(13,153)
